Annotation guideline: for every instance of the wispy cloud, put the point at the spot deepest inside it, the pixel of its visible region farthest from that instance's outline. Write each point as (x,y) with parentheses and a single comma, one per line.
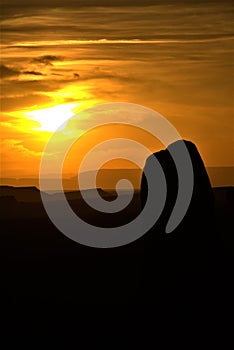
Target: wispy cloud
(101,3)
(32,73)
(13,72)
(39,43)
(17,144)
(47,59)
(8,72)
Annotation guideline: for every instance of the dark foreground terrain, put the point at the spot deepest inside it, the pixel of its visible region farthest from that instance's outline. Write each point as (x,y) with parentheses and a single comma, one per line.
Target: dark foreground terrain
(54,287)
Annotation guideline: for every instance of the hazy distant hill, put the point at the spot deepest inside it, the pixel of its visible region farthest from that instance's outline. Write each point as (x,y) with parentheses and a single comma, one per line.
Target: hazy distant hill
(107,178)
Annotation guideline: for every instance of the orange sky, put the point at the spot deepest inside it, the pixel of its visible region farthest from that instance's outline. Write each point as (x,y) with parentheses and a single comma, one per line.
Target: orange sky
(61,57)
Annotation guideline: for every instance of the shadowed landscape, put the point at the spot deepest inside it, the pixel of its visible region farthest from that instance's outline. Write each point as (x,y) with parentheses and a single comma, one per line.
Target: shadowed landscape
(104,76)
(184,276)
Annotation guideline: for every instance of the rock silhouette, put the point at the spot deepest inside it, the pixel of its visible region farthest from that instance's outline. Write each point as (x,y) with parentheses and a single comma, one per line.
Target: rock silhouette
(200,211)
(179,262)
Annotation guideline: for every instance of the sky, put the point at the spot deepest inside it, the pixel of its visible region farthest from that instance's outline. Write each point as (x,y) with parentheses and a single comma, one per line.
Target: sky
(60,57)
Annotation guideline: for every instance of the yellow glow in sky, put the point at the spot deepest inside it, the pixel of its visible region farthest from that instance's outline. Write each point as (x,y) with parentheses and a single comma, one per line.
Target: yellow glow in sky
(51,119)
(164,64)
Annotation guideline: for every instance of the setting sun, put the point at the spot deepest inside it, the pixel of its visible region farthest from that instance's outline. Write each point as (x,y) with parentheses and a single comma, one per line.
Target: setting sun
(51,119)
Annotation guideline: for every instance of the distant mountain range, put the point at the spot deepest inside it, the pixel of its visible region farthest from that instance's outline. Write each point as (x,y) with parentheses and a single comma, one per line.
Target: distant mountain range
(107,179)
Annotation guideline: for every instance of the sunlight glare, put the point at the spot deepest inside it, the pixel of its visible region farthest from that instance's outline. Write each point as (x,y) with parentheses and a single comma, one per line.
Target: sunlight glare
(51,119)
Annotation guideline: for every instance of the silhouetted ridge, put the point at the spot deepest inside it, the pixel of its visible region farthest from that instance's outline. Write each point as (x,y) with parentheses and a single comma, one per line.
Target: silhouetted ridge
(21,194)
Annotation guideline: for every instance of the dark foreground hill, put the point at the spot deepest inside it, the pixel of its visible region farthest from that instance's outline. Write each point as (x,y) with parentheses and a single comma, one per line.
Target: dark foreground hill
(49,280)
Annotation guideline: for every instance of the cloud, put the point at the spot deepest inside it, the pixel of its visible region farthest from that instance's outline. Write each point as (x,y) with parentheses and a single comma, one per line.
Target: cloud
(99,73)
(8,72)
(19,102)
(13,146)
(72,27)
(151,40)
(32,73)
(98,3)
(47,59)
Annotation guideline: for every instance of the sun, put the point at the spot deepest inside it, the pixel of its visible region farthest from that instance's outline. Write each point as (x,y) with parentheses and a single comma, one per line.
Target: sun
(53,118)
